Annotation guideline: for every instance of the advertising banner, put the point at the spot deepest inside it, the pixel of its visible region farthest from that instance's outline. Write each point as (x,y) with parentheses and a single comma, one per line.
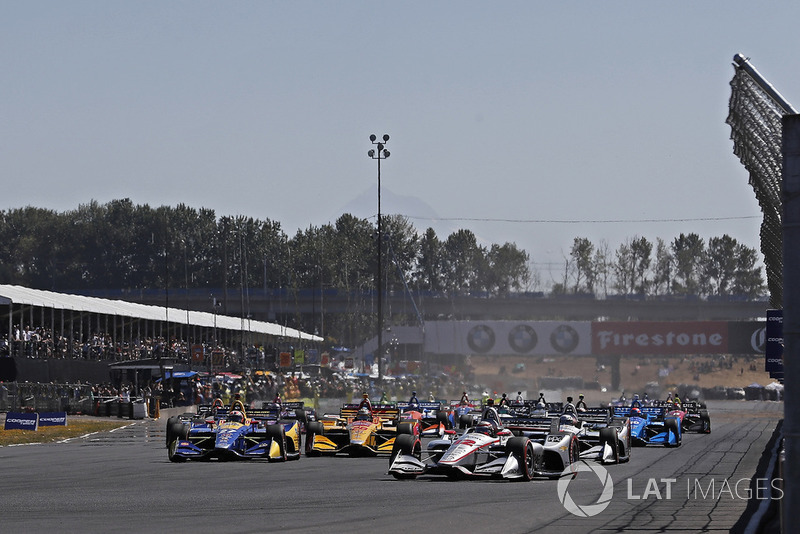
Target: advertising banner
(535,338)
(299,356)
(747,337)
(285,359)
(197,353)
(655,338)
(774,346)
(53,419)
(22,421)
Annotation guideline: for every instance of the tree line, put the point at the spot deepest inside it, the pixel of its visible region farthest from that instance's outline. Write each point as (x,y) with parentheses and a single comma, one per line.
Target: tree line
(119,245)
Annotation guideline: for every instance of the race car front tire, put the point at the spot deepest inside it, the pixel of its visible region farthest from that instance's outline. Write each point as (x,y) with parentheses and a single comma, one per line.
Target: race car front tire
(313,429)
(405,444)
(672,426)
(609,435)
(171,452)
(522,449)
(277,434)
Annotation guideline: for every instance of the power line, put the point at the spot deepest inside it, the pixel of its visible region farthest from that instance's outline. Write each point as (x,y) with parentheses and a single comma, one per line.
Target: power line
(582,221)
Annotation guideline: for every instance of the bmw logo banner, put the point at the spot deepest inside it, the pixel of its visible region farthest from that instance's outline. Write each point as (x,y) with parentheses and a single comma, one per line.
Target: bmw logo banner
(53,419)
(508,337)
(22,421)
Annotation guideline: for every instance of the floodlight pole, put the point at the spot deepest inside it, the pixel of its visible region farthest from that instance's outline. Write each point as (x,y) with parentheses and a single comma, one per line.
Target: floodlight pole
(379,154)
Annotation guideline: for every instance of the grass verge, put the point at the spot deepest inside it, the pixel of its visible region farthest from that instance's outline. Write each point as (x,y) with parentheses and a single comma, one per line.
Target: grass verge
(49,434)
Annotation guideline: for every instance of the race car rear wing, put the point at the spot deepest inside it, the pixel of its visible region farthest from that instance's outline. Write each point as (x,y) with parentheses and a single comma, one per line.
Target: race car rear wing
(477,406)
(385,411)
(594,414)
(421,406)
(657,412)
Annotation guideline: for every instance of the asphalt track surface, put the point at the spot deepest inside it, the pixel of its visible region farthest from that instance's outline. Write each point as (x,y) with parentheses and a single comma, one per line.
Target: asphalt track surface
(122,481)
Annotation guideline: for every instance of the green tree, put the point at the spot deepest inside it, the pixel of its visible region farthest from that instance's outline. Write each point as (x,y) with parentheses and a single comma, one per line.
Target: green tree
(688,251)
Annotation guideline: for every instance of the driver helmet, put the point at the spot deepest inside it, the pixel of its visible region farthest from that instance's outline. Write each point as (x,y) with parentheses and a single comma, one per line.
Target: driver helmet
(636,412)
(567,419)
(485,427)
(636,397)
(490,401)
(363,413)
(540,405)
(236,416)
(366,395)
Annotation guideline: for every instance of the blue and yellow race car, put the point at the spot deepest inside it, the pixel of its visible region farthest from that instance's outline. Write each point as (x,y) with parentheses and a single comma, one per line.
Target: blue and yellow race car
(272,433)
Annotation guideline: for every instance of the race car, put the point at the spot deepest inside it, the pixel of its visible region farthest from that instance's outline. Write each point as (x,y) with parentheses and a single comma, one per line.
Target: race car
(465,414)
(429,418)
(695,415)
(601,436)
(557,436)
(652,425)
(234,434)
(353,432)
(485,450)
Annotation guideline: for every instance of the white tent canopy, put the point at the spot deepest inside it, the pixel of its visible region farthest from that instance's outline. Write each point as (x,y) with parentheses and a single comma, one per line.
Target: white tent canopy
(18,295)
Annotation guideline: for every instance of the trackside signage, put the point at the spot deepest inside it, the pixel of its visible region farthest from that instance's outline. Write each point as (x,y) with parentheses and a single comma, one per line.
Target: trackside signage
(22,421)
(679,337)
(774,344)
(53,419)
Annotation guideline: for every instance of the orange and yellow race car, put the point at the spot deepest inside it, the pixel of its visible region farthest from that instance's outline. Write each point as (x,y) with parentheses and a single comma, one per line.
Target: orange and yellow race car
(354,431)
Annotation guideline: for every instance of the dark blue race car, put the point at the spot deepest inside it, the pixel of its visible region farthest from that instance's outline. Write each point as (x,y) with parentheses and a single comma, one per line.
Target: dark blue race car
(273,433)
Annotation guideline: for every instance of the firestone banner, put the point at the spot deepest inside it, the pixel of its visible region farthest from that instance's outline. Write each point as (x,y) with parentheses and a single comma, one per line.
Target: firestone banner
(637,338)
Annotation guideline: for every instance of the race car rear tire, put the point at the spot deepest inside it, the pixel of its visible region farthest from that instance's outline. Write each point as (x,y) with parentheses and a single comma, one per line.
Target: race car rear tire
(706,422)
(313,429)
(465,421)
(407,445)
(277,434)
(672,425)
(609,435)
(444,418)
(522,449)
(173,446)
(405,428)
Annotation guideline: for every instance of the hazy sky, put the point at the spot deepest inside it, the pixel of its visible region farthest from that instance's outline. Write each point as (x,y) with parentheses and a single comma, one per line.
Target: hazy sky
(535,112)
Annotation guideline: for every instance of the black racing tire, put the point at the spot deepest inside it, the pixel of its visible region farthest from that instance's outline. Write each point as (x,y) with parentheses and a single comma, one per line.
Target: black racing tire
(574,453)
(408,445)
(170,422)
(522,449)
(609,435)
(706,420)
(672,425)
(173,446)
(300,414)
(177,430)
(313,429)
(405,428)
(465,421)
(276,433)
(444,418)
